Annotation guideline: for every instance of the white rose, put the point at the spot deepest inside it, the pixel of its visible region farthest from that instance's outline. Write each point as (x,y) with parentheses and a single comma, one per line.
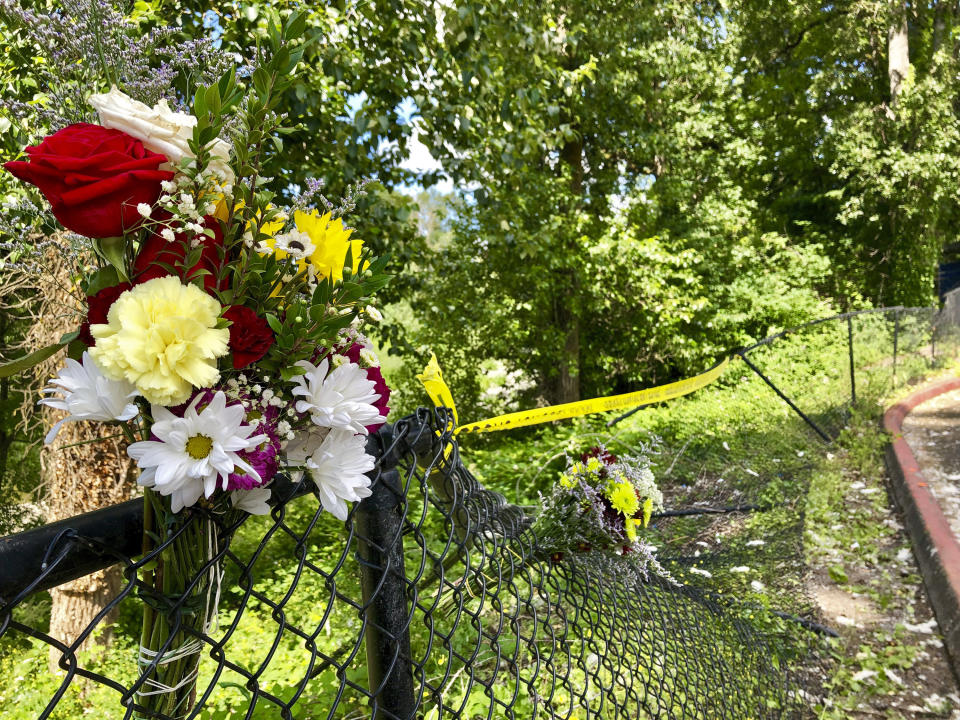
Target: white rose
(160,129)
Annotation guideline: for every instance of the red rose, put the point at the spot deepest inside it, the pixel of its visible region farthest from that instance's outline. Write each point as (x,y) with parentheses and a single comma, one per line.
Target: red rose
(94,177)
(379,384)
(156,250)
(250,335)
(98,306)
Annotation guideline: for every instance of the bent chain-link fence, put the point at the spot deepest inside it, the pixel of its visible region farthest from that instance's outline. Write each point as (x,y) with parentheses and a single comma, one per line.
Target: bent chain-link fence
(433,600)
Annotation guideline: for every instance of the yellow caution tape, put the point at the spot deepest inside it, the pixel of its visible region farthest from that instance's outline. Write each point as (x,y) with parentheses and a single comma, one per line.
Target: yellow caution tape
(568,410)
(436,387)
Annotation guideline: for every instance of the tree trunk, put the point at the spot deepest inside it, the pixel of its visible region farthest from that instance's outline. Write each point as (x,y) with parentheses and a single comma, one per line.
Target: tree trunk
(568,381)
(81,479)
(567,313)
(91,474)
(939,25)
(77,603)
(898,55)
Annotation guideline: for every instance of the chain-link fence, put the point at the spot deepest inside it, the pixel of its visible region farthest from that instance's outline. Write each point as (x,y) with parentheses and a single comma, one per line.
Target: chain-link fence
(434,601)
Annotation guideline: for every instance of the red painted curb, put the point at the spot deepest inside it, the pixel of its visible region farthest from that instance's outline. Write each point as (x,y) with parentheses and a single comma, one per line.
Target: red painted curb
(935,546)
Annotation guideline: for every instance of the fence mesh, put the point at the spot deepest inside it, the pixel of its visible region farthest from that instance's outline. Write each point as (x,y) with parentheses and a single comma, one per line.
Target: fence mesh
(434,600)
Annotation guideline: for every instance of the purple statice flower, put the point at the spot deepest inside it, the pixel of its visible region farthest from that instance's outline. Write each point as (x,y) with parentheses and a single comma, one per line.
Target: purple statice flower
(89,45)
(309,197)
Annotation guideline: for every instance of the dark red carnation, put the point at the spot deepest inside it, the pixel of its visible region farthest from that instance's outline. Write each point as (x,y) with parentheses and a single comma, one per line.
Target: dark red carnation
(379,384)
(94,178)
(602,454)
(98,306)
(157,250)
(250,335)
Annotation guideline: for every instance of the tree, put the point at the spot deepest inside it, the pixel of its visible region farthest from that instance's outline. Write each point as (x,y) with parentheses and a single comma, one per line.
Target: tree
(552,110)
(856,111)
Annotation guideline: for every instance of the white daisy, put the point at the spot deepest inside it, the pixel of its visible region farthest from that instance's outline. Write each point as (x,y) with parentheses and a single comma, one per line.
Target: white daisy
(253,501)
(339,467)
(296,244)
(88,395)
(343,399)
(193,452)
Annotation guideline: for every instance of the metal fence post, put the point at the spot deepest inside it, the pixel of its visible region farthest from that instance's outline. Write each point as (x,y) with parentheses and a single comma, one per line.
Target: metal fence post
(933,340)
(853,379)
(896,338)
(379,524)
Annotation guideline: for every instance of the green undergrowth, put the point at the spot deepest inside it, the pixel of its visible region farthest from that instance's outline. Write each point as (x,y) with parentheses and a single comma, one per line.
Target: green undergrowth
(824,517)
(734,443)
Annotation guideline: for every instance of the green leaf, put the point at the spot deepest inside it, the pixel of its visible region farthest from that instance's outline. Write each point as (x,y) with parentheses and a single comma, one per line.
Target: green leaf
(28,361)
(261,81)
(200,104)
(103,278)
(296,25)
(289,373)
(75,349)
(273,322)
(213,99)
(113,250)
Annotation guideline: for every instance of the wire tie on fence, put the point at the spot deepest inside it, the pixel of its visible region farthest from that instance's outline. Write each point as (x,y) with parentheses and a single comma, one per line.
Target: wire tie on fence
(63,534)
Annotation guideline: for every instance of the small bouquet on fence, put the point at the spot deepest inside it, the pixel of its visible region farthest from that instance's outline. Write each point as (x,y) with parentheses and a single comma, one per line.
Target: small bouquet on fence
(601,503)
(222,333)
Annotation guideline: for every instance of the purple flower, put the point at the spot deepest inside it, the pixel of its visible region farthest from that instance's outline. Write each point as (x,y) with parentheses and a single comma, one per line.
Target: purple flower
(263,459)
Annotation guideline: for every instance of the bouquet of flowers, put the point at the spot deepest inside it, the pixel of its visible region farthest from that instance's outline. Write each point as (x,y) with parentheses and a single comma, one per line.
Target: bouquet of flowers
(223,331)
(601,502)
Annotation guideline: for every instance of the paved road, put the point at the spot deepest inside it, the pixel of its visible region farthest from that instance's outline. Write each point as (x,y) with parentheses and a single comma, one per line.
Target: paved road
(933,432)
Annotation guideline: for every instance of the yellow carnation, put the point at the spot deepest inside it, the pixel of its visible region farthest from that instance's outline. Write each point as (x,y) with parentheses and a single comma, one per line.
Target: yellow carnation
(624,499)
(161,336)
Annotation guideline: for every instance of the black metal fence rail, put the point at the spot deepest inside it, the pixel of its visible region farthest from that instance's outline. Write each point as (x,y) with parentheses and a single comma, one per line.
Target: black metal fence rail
(434,600)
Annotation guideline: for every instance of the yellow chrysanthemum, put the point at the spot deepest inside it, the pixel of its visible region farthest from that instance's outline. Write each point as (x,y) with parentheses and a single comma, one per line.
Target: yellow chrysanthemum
(647,511)
(624,499)
(161,336)
(632,524)
(594,465)
(331,241)
(567,480)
